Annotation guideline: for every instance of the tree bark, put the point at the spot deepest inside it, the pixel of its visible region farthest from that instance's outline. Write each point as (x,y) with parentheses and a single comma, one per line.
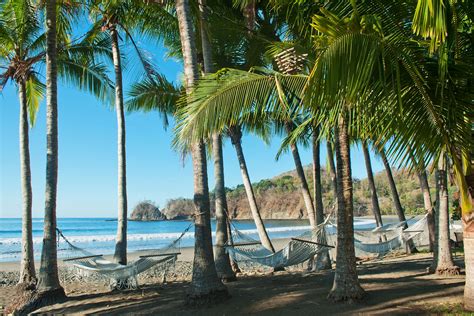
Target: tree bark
(120,255)
(235,134)
(323,261)
(332,169)
(308,201)
(206,287)
(48,283)
(468,235)
(373,190)
(425,189)
(223,267)
(346,283)
(444,260)
(27,269)
(396,199)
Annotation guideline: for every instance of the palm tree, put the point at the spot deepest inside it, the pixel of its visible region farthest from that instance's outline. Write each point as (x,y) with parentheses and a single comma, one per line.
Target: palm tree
(308,201)
(48,283)
(235,134)
(396,198)
(15,34)
(425,190)
(222,261)
(332,167)
(346,284)
(114,17)
(205,286)
(373,189)
(323,261)
(444,263)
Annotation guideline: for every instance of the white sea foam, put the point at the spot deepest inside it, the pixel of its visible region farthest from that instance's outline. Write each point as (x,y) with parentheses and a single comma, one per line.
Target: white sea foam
(165,236)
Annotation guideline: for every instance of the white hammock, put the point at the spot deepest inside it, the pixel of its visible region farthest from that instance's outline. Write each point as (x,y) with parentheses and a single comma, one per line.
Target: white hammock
(395,236)
(86,264)
(251,253)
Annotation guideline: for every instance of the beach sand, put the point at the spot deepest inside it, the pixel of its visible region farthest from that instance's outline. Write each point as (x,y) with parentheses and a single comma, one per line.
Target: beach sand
(398,284)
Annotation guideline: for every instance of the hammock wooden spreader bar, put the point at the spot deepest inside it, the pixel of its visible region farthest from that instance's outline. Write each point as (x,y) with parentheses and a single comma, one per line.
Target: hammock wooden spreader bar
(83,257)
(161,255)
(245,244)
(312,242)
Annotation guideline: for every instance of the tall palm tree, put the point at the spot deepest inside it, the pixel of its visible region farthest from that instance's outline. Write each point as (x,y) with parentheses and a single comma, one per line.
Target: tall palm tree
(125,17)
(222,261)
(373,189)
(48,282)
(18,28)
(205,285)
(444,263)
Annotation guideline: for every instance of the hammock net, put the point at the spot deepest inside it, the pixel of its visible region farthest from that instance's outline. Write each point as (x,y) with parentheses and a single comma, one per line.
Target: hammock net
(382,240)
(85,264)
(249,253)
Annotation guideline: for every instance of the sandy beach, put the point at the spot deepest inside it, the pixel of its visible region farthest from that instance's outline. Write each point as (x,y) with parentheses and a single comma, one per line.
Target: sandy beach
(397,284)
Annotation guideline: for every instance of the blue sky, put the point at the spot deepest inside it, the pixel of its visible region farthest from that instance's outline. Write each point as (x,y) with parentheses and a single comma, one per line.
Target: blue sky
(87,185)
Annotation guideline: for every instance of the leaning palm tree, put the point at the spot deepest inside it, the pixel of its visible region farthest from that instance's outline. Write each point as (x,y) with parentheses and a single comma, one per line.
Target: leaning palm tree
(373,190)
(396,198)
(205,285)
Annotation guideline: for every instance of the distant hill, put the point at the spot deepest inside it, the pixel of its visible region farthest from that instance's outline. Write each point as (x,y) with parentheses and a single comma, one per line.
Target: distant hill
(280,197)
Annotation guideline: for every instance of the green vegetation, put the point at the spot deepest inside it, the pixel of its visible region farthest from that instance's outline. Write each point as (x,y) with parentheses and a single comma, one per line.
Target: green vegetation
(408,186)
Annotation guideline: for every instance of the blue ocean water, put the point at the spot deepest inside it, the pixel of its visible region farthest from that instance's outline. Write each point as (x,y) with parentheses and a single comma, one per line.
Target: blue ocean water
(97,235)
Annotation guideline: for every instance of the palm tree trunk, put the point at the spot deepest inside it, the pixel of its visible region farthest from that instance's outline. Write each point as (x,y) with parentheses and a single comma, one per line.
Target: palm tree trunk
(346,284)
(323,261)
(235,134)
(120,255)
(224,270)
(27,269)
(373,190)
(332,168)
(444,259)
(396,199)
(308,201)
(48,283)
(468,235)
(223,267)
(425,189)
(206,286)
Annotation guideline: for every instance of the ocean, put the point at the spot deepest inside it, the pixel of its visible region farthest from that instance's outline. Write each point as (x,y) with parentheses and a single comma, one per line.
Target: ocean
(97,235)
